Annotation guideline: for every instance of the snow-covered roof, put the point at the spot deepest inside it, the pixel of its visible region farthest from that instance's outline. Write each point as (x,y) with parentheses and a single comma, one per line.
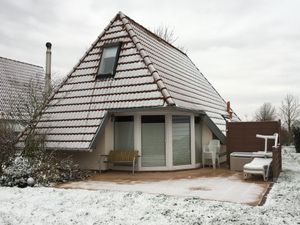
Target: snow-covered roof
(17,80)
(150,73)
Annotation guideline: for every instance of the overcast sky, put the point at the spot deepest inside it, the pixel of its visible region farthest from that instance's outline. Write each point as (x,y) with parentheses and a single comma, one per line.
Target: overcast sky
(249,50)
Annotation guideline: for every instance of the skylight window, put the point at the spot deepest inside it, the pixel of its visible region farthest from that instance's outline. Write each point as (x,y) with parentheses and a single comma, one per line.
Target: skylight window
(109,59)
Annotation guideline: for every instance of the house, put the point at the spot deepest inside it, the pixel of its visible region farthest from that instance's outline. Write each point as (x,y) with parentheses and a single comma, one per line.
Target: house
(20,84)
(133,90)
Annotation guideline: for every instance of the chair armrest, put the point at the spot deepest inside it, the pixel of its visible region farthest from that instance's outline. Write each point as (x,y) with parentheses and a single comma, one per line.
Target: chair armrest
(103,156)
(204,148)
(276,146)
(137,157)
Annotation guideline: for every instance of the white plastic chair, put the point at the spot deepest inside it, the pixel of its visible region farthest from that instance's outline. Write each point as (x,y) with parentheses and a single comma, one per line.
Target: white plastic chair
(212,151)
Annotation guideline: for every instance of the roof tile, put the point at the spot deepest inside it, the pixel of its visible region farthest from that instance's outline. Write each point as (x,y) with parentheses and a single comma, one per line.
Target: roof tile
(17,81)
(150,73)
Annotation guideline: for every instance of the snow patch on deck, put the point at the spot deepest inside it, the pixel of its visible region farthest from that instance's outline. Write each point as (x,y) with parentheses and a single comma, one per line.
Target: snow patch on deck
(61,206)
(231,189)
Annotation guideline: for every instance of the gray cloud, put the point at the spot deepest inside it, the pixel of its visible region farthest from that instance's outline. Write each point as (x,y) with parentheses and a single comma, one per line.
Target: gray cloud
(249,50)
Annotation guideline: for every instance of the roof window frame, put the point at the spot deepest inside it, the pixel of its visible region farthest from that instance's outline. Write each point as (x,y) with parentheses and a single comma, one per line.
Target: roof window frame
(108,75)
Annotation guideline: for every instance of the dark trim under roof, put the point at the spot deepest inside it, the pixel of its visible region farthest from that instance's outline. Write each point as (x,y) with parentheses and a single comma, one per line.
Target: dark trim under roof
(213,127)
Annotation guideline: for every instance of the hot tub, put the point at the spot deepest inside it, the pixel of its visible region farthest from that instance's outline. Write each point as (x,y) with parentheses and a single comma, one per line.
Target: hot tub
(239,159)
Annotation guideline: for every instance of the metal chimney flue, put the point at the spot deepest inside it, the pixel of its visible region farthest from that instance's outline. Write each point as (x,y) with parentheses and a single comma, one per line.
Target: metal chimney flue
(48,69)
(229,111)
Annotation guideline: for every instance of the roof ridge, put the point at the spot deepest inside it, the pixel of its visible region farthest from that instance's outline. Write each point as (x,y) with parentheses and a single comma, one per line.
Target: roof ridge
(146,59)
(153,34)
(18,61)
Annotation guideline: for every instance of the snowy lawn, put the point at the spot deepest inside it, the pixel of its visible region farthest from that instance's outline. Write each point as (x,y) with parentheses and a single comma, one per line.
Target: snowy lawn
(230,189)
(70,206)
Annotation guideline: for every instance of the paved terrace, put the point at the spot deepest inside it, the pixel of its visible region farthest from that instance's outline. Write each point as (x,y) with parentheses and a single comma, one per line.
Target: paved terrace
(220,184)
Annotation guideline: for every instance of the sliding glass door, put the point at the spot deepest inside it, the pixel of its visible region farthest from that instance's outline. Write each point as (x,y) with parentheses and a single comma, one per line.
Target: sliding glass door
(198,139)
(181,140)
(153,141)
(123,133)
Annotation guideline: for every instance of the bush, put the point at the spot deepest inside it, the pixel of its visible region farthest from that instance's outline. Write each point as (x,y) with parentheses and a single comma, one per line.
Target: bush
(16,172)
(7,141)
(45,167)
(52,167)
(284,136)
(296,132)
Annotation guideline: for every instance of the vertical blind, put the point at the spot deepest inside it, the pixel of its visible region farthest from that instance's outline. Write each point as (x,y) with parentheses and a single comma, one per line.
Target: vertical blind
(181,140)
(198,139)
(153,141)
(123,133)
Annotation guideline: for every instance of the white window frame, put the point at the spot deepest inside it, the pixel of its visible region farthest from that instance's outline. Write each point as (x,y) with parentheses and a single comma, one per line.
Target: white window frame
(168,139)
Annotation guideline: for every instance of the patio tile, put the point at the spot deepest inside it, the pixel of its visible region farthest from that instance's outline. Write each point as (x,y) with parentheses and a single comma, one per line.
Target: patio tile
(219,184)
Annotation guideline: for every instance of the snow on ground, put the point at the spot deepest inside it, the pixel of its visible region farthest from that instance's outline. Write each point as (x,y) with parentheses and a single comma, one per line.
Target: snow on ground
(231,189)
(70,206)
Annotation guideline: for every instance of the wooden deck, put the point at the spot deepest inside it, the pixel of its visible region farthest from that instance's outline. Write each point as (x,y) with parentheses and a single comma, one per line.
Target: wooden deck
(128,177)
(207,183)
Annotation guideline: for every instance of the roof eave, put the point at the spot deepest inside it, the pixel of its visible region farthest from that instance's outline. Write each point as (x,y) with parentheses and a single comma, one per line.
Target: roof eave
(100,129)
(70,149)
(214,128)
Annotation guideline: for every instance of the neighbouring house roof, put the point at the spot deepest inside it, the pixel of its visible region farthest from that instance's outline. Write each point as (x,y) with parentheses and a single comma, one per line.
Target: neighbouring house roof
(150,73)
(18,82)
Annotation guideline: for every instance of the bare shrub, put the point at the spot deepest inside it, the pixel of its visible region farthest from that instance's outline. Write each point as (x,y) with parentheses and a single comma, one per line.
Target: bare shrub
(166,33)
(44,166)
(33,160)
(7,140)
(290,112)
(296,132)
(266,112)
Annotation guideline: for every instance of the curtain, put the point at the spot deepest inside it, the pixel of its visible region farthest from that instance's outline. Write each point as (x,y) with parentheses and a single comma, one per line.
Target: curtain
(181,140)
(153,141)
(198,139)
(123,133)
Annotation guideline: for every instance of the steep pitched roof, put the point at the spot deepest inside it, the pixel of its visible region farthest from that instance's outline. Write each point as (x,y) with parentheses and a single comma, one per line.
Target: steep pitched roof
(150,73)
(183,80)
(16,81)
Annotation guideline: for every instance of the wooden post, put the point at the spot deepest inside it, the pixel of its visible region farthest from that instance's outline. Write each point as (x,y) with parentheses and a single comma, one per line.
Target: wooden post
(276,162)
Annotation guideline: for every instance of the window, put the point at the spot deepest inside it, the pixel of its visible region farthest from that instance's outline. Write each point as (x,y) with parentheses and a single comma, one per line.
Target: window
(181,140)
(153,141)
(198,138)
(109,59)
(123,133)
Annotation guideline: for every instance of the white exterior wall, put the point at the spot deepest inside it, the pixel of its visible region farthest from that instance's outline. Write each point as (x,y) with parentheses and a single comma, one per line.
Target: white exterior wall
(207,135)
(223,151)
(90,160)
